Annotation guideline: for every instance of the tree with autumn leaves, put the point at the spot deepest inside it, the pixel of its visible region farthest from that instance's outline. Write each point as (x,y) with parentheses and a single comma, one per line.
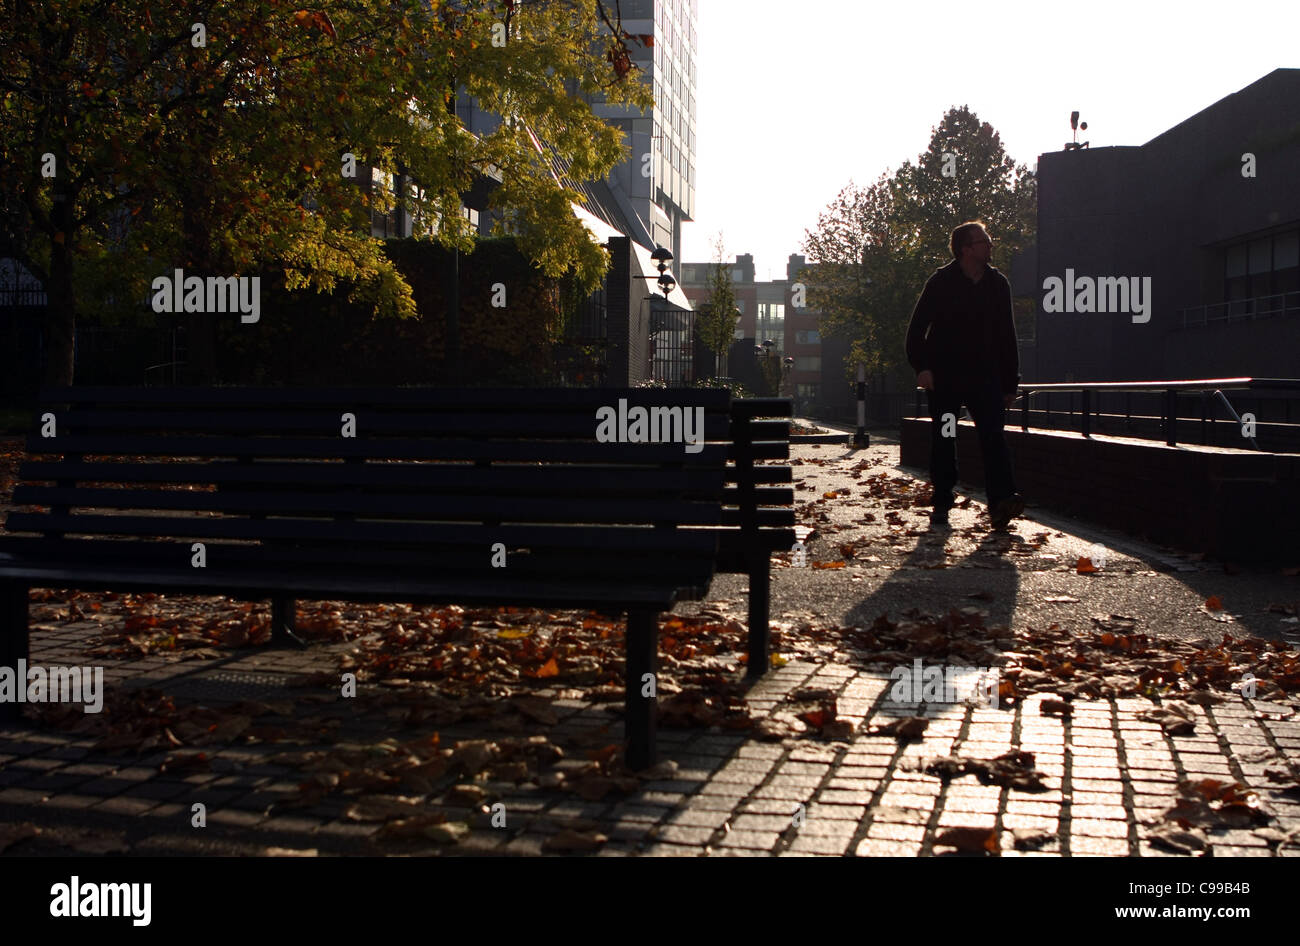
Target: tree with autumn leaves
(873,247)
(139,138)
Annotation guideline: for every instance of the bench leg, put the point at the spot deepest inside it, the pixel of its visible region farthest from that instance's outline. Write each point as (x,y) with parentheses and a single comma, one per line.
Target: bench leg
(642,658)
(13,640)
(759,624)
(283,615)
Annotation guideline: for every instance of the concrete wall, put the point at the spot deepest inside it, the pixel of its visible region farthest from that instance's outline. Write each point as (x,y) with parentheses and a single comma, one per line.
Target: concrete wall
(1163,210)
(1233,504)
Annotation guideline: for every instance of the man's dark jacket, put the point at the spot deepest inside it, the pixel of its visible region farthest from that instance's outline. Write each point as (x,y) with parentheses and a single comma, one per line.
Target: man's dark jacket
(964,332)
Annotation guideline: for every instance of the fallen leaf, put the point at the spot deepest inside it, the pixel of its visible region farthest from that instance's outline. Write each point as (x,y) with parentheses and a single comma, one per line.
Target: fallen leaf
(449,832)
(970,840)
(1055,708)
(1084,566)
(1213,603)
(909,727)
(574,842)
(1182,840)
(1176,719)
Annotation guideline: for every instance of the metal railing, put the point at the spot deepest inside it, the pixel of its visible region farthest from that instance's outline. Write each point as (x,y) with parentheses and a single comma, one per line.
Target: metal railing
(1213,387)
(1257,307)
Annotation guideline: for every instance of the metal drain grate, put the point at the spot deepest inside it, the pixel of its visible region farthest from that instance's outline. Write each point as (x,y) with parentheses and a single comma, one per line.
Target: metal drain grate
(230,685)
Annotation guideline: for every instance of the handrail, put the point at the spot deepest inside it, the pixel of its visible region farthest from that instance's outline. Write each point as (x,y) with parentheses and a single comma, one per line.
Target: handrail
(1171,389)
(1255,307)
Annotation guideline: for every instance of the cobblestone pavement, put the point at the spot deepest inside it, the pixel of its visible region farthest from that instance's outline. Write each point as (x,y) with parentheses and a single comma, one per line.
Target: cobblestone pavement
(1107,776)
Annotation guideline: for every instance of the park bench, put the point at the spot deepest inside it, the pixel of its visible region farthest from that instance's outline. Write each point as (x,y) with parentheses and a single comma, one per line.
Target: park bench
(398,495)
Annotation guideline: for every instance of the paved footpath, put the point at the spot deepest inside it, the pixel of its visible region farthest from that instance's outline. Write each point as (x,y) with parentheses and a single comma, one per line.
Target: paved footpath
(1120,728)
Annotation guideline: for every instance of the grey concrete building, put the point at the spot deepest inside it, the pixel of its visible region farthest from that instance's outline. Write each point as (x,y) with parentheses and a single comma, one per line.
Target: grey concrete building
(1207,215)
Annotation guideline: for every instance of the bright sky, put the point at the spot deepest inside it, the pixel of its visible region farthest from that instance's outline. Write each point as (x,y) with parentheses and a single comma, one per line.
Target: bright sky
(796,98)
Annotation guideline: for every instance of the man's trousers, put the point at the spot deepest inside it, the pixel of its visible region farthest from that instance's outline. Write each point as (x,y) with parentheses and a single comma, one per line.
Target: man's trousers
(988,412)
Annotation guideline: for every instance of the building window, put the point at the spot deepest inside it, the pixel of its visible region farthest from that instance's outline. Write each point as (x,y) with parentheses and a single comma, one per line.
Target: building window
(1264,266)
(807,392)
(808,336)
(807,362)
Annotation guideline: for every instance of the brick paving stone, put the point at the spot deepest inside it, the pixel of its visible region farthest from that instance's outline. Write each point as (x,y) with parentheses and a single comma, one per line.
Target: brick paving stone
(750,840)
(295,824)
(796,781)
(852,813)
(903,800)
(1084,846)
(885,830)
(122,805)
(683,834)
(891,815)
(760,751)
(20,796)
(1096,798)
(632,813)
(666,799)
(854,785)
(871,772)
(1094,828)
(815,770)
(1097,812)
(672,850)
(827,827)
(967,819)
(768,806)
(971,804)
(161,790)
(832,796)
(820,844)
(881,847)
(1028,807)
(721,802)
(343,830)
(1094,773)
(754,822)
(71,802)
(746,767)
(1031,823)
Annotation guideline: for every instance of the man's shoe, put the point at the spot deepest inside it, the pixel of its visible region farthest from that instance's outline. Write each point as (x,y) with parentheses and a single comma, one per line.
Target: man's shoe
(1005,510)
(939,518)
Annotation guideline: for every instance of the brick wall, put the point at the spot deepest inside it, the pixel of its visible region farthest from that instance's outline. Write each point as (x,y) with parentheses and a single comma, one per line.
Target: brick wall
(1232,504)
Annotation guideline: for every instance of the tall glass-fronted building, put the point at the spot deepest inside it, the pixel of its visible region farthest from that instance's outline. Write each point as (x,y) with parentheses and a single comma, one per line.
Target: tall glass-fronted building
(656,183)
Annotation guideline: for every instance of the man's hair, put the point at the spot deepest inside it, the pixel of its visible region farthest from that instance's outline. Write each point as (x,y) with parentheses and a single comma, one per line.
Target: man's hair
(963,233)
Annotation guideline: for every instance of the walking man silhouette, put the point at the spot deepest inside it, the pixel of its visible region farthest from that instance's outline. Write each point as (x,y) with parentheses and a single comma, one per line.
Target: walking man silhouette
(961,342)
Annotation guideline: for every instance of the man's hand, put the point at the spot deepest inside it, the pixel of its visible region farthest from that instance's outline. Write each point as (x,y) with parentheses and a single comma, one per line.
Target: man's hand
(1009,399)
(925,380)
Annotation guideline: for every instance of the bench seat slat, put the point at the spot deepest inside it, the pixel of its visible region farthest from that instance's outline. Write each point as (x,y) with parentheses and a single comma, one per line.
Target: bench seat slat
(189,527)
(710,454)
(562,426)
(596,479)
(405,506)
(329,586)
(509,400)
